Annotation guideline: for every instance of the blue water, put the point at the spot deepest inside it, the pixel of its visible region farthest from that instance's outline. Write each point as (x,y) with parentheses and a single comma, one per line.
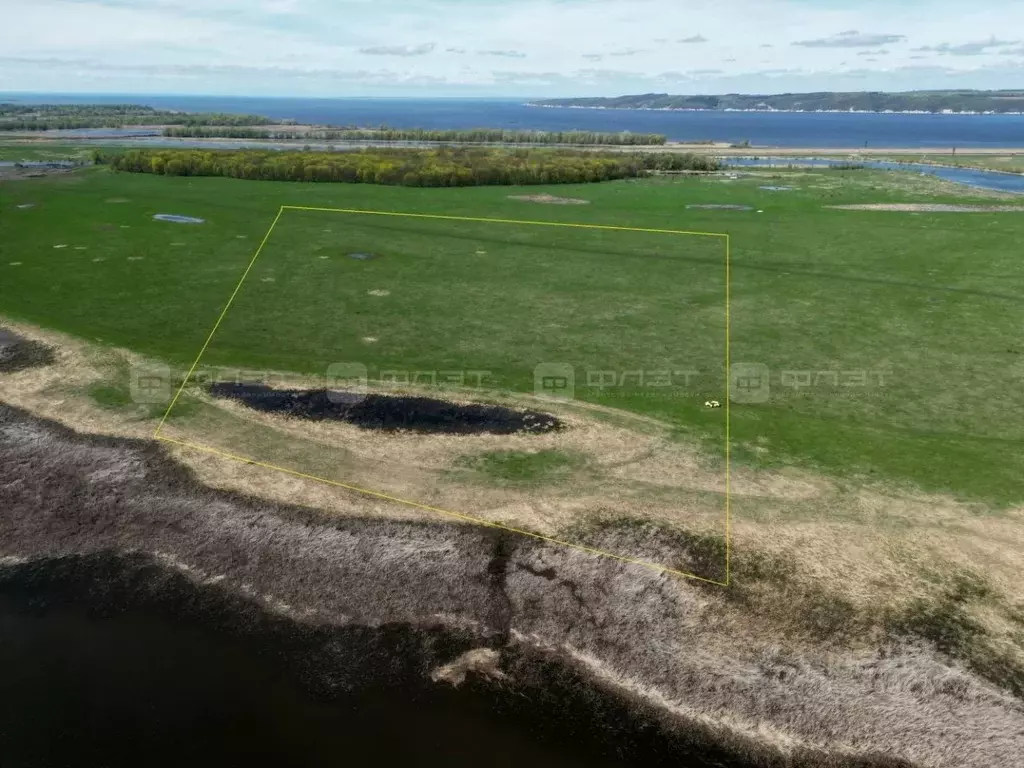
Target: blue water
(779,129)
(87,133)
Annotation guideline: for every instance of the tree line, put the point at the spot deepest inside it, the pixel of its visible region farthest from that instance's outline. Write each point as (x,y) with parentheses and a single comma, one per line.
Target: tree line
(440,167)
(467,136)
(47,117)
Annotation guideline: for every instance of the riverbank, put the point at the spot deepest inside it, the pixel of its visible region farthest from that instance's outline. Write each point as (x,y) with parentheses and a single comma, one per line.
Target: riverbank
(648,667)
(566,628)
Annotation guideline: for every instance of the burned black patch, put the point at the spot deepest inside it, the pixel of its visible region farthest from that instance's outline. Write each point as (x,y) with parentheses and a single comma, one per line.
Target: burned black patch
(389,413)
(18,354)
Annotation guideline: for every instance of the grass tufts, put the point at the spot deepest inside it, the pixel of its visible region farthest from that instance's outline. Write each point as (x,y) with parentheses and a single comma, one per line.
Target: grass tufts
(522,467)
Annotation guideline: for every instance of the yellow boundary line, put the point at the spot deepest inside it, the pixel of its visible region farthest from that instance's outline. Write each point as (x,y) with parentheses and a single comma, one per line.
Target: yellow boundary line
(461,515)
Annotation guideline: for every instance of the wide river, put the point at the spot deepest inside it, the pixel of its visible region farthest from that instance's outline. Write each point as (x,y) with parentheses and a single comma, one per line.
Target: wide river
(86,685)
(778,129)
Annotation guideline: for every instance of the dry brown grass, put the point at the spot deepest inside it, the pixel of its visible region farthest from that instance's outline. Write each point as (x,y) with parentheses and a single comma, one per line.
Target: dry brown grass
(861,538)
(481,661)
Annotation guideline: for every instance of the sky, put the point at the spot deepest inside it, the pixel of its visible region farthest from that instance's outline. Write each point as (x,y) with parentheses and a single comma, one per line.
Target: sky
(506,48)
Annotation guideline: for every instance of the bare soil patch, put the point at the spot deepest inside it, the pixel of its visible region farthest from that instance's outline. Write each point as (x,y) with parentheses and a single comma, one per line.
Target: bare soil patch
(20,173)
(930,208)
(389,413)
(550,199)
(719,207)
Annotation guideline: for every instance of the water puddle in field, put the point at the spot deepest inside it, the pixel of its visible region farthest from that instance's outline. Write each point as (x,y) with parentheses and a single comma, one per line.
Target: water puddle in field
(175,218)
(389,413)
(362,256)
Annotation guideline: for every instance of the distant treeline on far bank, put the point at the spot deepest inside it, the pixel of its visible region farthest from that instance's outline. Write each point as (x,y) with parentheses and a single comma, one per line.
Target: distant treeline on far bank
(460,136)
(48,117)
(440,167)
(210,125)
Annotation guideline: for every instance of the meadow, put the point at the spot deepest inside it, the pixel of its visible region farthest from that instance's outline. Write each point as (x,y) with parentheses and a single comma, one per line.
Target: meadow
(41,152)
(891,339)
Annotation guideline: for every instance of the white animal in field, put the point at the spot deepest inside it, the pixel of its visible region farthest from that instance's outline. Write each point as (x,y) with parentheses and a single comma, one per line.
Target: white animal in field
(712,404)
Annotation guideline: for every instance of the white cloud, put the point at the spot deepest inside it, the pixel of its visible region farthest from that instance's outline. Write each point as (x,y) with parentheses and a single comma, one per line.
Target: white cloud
(852,39)
(435,47)
(967,49)
(399,50)
(504,54)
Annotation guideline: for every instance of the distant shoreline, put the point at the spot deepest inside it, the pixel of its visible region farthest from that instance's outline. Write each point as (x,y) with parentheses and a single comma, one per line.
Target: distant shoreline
(724,149)
(781,111)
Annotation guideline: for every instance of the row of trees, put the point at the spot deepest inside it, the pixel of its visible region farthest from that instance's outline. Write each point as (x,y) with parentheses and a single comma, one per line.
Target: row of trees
(46,117)
(441,167)
(469,136)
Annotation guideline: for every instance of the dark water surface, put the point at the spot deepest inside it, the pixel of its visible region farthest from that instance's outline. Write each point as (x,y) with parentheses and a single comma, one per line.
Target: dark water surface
(81,690)
(155,684)
(781,129)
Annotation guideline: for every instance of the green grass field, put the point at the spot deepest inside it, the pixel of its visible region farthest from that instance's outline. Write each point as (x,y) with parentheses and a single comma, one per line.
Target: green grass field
(630,312)
(42,151)
(893,340)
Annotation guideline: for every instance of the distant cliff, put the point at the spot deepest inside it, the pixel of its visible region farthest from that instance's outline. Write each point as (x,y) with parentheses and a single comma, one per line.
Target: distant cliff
(1001,102)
